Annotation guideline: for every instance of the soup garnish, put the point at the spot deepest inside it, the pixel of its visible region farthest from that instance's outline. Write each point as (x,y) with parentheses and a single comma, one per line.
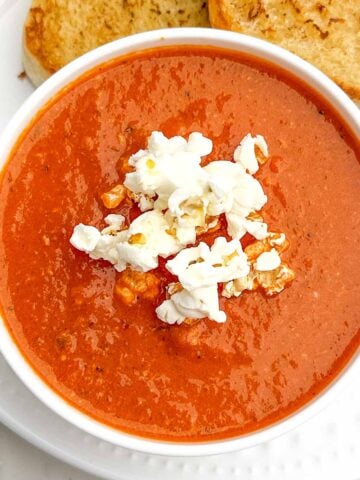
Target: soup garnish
(181,199)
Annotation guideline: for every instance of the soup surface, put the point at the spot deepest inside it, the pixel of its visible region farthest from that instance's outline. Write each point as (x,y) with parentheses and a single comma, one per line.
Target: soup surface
(121,364)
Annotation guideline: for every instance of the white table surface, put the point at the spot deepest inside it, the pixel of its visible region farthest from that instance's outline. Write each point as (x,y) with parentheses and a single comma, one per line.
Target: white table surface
(21,461)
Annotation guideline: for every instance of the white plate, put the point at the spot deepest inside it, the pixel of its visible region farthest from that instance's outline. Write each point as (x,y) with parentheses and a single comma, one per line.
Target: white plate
(326,447)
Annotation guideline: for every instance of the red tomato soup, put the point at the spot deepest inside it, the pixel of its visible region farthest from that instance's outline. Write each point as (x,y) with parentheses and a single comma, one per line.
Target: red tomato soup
(120,364)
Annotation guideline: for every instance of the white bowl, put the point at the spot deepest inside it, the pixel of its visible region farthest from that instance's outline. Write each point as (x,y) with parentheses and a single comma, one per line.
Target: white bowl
(185,36)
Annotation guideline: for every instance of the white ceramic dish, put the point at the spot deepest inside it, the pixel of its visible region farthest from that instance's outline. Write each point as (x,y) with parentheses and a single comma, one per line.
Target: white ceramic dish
(278,56)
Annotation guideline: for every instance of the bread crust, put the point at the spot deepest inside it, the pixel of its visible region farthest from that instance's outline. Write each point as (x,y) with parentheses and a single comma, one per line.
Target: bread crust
(33,67)
(324,32)
(218,16)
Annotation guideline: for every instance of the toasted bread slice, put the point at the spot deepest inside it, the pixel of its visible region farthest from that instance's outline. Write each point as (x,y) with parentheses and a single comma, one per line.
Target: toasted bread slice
(57,31)
(323,32)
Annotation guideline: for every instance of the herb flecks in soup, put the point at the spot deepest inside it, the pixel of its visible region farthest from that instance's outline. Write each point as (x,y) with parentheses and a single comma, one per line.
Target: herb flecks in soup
(182,200)
(109,355)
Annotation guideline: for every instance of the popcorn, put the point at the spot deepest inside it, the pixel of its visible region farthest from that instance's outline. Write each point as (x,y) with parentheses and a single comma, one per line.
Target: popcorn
(200,303)
(245,152)
(181,199)
(200,269)
(203,266)
(85,237)
(268,261)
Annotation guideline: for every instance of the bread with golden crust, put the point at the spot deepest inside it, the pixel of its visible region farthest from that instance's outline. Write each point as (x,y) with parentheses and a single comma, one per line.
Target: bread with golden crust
(323,32)
(58,31)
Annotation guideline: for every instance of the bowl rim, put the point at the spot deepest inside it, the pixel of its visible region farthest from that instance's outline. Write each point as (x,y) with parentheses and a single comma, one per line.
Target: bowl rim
(299,68)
